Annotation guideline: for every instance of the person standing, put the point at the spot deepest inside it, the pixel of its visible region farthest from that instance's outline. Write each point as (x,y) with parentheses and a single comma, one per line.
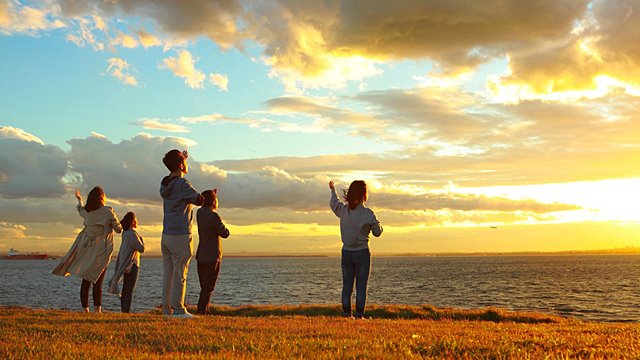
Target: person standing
(356,222)
(209,253)
(91,252)
(178,196)
(128,262)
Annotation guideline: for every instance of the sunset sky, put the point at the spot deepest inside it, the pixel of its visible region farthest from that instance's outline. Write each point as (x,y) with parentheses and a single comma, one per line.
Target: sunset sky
(478,125)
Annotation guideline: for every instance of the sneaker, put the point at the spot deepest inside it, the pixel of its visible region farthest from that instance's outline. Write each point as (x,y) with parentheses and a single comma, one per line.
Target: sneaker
(184,316)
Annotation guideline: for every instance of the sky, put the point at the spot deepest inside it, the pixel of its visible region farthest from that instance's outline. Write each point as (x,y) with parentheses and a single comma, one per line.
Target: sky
(493,126)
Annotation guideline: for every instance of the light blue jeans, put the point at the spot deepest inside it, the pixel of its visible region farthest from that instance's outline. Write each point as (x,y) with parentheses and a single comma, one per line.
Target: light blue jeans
(356,265)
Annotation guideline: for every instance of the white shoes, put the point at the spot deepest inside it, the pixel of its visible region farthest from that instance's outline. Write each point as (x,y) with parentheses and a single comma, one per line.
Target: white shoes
(186,315)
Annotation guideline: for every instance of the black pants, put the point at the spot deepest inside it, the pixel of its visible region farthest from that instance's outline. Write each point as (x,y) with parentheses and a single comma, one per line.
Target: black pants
(128,284)
(97,291)
(208,275)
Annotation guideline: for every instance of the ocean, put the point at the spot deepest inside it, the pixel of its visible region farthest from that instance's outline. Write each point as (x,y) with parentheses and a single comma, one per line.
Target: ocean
(588,287)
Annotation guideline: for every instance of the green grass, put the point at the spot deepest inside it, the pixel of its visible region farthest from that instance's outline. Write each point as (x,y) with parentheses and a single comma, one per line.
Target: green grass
(312,332)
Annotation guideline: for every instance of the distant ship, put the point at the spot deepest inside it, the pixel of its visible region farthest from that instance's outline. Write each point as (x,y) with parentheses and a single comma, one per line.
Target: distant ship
(14,254)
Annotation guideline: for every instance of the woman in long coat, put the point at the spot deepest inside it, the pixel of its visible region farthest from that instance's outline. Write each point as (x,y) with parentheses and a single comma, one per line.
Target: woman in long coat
(91,252)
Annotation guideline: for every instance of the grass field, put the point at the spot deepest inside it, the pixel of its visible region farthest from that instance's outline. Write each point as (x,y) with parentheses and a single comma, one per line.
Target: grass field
(312,332)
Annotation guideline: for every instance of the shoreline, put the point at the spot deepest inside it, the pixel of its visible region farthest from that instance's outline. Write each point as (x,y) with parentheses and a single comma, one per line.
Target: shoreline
(631,251)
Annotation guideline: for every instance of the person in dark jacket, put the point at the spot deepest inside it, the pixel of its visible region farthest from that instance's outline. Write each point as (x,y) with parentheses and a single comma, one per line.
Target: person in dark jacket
(209,253)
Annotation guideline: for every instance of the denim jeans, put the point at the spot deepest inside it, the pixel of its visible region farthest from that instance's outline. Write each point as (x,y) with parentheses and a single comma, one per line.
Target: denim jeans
(129,283)
(356,265)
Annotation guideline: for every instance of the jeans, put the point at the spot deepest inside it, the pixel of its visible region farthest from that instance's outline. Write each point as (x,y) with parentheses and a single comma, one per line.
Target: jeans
(208,275)
(129,283)
(355,265)
(97,291)
(176,255)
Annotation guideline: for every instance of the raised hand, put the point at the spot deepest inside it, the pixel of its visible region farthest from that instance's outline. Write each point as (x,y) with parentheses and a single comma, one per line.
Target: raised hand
(185,153)
(331,186)
(78,195)
(215,191)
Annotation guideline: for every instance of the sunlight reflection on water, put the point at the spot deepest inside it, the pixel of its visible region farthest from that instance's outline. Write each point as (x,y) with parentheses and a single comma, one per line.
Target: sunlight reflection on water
(592,287)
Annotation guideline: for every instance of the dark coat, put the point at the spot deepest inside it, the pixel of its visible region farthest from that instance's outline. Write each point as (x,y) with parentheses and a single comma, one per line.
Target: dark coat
(210,230)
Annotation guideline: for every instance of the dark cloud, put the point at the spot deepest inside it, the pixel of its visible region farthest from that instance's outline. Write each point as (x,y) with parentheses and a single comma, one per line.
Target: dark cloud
(30,169)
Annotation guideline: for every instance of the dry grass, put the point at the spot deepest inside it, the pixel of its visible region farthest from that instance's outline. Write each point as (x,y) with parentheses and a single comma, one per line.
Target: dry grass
(311,332)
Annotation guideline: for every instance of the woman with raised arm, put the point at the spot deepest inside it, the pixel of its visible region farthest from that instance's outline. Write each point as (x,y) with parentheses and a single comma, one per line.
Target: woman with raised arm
(128,262)
(356,222)
(91,252)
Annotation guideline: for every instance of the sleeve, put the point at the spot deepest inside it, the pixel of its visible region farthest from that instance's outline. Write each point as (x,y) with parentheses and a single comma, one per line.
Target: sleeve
(190,194)
(219,226)
(81,210)
(376,227)
(336,205)
(115,224)
(137,243)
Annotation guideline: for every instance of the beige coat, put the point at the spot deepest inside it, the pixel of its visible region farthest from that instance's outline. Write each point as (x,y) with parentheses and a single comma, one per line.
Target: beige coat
(91,252)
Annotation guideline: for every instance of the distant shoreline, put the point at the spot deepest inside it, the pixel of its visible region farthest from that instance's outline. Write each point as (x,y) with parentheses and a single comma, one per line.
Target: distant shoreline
(622,251)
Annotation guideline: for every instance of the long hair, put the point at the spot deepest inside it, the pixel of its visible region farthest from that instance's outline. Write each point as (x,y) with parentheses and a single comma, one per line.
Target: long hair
(128,220)
(209,198)
(355,194)
(95,199)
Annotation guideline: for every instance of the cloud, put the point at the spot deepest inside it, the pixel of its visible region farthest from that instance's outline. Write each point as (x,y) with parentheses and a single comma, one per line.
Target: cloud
(326,44)
(464,202)
(90,31)
(184,66)
(220,81)
(28,168)
(156,124)
(553,47)
(590,62)
(131,169)
(119,68)
(126,41)
(11,231)
(148,40)
(326,113)
(16,18)
(10,132)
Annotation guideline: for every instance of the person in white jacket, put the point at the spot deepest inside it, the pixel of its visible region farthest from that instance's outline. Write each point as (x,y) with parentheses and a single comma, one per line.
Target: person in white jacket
(128,263)
(356,223)
(90,253)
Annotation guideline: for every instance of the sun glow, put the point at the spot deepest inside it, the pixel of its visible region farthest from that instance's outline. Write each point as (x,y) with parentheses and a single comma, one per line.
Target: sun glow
(606,200)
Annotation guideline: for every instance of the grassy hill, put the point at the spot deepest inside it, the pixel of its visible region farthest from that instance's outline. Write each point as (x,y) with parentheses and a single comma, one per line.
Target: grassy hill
(311,332)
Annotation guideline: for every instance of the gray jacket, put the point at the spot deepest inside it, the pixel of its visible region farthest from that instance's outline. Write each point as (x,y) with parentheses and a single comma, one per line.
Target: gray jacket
(178,196)
(355,224)
(130,248)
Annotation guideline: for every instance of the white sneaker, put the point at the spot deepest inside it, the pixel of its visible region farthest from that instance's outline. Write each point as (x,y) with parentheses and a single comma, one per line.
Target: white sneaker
(186,315)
